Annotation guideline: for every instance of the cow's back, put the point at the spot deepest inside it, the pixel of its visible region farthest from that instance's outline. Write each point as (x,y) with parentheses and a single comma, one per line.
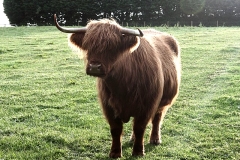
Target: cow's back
(168,52)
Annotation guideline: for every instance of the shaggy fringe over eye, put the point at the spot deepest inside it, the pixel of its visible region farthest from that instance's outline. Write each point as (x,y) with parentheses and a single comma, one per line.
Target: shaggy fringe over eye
(95,37)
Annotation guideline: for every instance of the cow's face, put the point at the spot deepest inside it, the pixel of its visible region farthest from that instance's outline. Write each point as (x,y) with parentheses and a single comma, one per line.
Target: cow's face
(103,43)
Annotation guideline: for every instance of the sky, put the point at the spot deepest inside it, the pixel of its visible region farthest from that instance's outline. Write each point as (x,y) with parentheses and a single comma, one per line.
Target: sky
(3,17)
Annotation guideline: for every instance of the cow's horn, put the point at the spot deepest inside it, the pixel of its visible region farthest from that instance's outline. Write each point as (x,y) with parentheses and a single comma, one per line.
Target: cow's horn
(132,32)
(68,30)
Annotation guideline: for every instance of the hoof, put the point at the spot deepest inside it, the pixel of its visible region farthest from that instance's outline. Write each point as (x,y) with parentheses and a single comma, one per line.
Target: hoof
(138,154)
(115,155)
(138,151)
(155,142)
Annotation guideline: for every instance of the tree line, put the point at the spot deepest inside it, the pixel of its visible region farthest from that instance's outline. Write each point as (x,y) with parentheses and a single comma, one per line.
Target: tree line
(131,12)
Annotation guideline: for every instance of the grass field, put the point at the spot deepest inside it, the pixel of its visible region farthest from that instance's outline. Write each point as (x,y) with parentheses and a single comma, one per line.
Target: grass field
(49,107)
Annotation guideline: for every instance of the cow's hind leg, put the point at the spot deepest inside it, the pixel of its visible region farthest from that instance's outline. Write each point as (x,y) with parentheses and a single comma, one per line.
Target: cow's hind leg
(139,126)
(156,126)
(116,127)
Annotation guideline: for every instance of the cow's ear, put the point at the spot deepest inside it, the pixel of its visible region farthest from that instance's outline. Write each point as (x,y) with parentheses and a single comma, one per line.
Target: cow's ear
(131,43)
(75,42)
(76,39)
(135,45)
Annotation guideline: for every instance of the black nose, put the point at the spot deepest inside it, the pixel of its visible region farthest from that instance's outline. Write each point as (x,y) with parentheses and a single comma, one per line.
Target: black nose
(95,69)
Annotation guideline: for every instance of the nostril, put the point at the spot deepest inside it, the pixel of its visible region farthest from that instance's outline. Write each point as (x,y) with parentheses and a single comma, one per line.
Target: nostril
(99,66)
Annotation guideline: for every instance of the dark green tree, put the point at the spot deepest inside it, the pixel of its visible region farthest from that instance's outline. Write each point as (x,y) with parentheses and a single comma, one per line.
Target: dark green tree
(14,10)
(133,12)
(170,10)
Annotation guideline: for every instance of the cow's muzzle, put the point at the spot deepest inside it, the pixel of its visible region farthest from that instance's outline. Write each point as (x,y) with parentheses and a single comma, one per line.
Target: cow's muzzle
(95,69)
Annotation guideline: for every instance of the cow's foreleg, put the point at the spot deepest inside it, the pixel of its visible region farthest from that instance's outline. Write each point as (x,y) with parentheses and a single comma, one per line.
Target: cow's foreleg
(139,127)
(156,126)
(116,127)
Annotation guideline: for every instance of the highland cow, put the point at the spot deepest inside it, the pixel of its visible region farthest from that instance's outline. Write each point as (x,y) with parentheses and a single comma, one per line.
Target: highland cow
(138,75)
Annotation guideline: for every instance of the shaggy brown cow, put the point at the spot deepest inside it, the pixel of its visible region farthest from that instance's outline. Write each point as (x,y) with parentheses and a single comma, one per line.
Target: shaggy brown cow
(138,76)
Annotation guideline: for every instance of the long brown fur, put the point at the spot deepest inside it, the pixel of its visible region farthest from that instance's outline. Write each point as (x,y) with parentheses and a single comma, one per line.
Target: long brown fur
(142,78)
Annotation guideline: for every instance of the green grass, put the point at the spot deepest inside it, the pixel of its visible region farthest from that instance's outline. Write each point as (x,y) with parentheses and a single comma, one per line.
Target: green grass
(49,107)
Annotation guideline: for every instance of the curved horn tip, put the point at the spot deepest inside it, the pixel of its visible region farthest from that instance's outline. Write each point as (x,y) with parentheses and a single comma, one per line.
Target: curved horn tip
(68,30)
(55,21)
(141,34)
(55,17)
